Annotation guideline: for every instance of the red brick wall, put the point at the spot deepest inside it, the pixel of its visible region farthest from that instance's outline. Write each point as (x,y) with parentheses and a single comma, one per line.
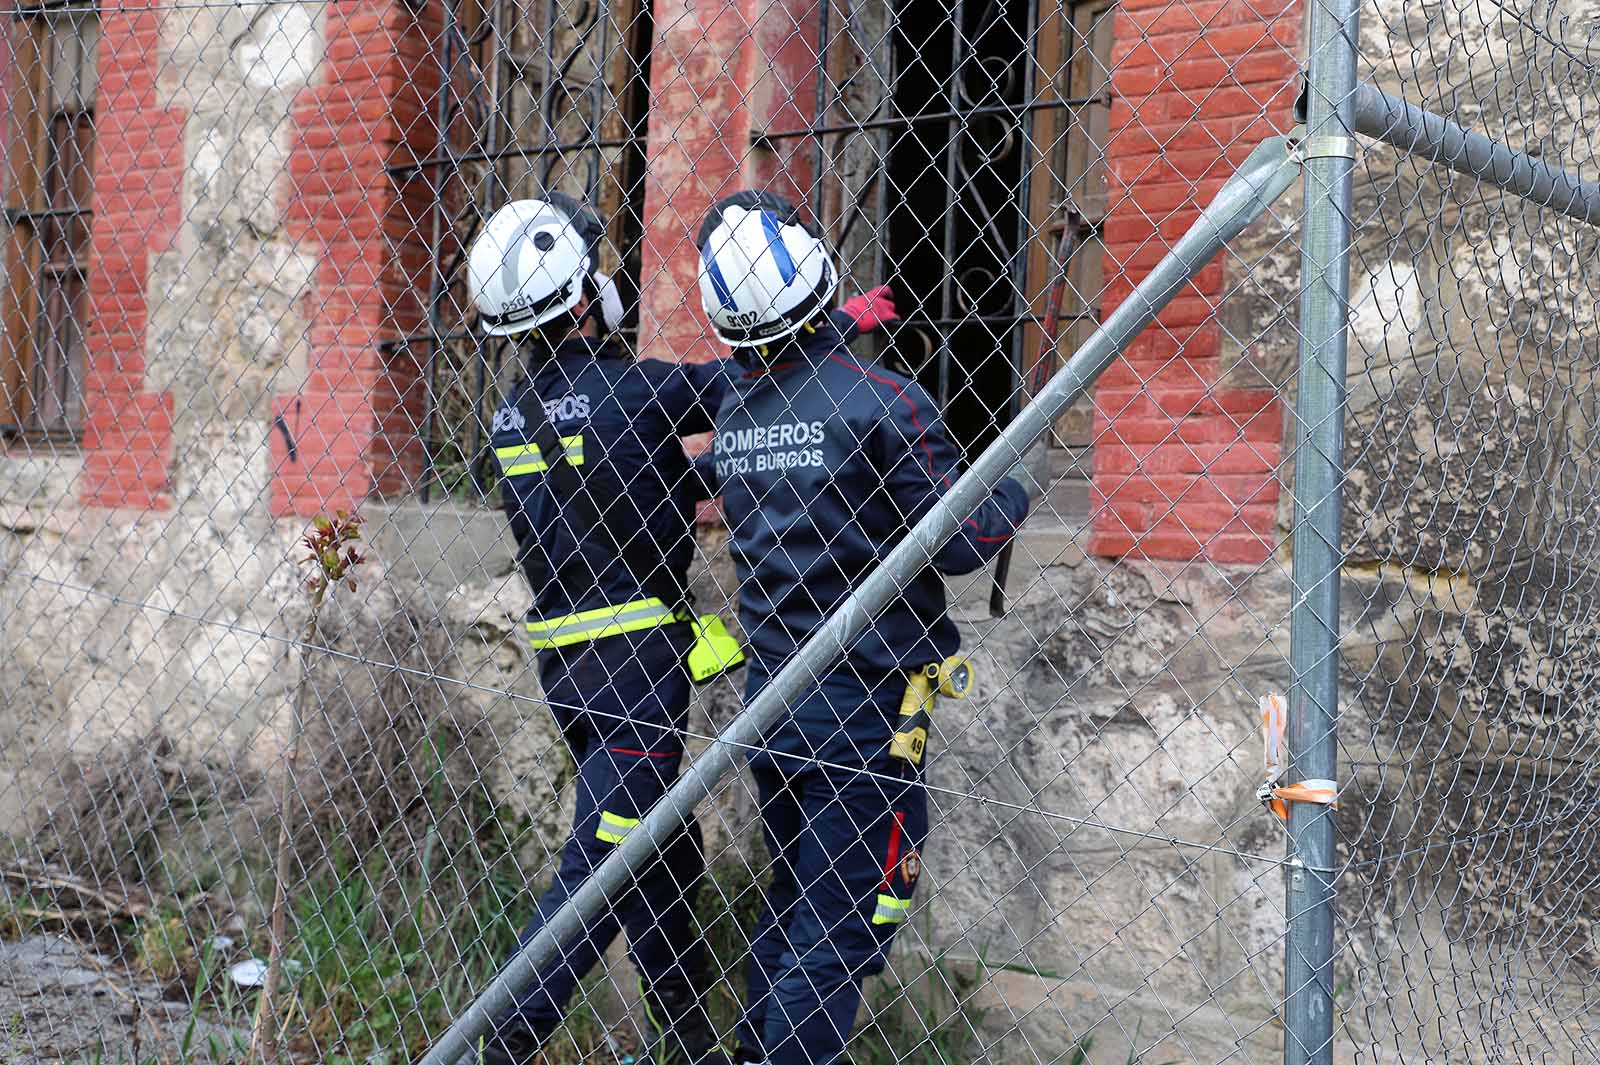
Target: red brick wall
(7,114)
(355,423)
(1185,459)
(127,440)
(1184,463)
(783,99)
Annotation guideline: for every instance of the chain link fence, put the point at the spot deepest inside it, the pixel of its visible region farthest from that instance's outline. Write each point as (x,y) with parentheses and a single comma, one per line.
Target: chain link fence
(1285,303)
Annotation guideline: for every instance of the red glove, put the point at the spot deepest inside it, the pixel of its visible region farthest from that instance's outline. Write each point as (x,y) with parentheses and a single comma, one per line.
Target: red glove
(871,309)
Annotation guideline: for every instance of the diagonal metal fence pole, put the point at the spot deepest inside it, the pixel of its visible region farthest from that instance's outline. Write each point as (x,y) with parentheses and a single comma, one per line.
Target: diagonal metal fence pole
(1263,176)
(1329,158)
(1433,137)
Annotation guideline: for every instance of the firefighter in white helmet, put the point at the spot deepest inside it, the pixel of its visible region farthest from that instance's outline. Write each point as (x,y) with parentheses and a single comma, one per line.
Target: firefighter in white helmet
(825,461)
(601,500)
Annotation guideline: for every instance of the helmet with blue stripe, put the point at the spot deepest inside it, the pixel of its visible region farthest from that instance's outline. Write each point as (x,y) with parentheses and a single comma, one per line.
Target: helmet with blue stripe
(763,273)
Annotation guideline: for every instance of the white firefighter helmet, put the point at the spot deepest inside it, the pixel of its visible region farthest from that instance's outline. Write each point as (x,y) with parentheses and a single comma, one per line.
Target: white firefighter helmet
(763,273)
(528,266)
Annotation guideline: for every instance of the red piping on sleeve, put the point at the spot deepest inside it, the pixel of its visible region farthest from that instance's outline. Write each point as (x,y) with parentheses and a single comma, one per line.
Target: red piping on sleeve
(900,392)
(922,435)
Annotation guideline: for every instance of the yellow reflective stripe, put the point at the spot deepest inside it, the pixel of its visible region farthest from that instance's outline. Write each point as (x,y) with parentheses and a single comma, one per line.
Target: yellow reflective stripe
(518,459)
(614,828)
(891,910)
(597,624)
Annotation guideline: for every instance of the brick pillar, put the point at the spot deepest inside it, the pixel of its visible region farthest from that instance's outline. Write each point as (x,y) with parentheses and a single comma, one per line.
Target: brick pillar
(352,430)
(127,438)
(700,73)
(1185,461)
(8,111)
(721,70)
(783,100)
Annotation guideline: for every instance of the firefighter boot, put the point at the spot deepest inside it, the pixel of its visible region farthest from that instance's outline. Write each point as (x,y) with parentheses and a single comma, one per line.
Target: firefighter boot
(680,1028)
(510,1043)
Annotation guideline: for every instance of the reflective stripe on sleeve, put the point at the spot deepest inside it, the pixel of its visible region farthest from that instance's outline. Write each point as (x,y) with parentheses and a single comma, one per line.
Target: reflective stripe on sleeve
(614,828)
(518,459)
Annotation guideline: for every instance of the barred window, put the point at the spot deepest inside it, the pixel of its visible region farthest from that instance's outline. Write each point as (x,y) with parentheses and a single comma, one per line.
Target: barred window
(52,86)
(947,156)
(955,153)
(544,96)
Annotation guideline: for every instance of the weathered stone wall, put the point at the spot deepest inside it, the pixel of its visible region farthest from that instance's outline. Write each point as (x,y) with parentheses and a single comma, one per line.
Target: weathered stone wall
(182,619)
(1468,726)
(1120,850)
(212,324)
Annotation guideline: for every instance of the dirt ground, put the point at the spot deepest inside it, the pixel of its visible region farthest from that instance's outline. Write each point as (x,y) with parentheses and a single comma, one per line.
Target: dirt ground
(61,1003)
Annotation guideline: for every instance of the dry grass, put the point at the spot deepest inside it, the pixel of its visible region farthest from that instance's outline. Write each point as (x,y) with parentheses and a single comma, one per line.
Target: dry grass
(390,759)
(111,810)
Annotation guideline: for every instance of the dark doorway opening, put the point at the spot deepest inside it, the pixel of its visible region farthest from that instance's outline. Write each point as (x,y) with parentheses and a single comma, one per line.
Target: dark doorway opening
(956,178)
(998,110)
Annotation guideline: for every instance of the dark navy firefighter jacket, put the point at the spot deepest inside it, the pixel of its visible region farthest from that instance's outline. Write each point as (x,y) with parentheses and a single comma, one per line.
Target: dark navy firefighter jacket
(631,414)
(824,463)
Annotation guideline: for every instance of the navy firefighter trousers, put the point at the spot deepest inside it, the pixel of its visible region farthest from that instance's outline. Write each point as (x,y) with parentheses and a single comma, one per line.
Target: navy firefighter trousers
(621,703)
(845,824)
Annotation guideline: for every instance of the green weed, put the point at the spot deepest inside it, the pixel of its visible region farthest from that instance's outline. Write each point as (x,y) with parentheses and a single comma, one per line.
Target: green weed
(25,913)
(382,958)
(164,945)
(383,950)
(379,962)
(730,901)
(934,1019)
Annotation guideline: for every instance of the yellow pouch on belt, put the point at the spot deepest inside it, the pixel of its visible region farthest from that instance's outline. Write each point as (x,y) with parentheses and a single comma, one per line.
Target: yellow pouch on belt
(951,678)
(715,651)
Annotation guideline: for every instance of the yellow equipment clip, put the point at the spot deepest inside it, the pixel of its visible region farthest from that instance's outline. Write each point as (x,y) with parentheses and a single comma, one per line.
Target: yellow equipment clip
(952,678)
(956,677)
(715,651)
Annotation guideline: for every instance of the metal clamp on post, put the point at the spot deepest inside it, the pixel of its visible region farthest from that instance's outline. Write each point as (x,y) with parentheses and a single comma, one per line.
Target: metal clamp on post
(1325,148)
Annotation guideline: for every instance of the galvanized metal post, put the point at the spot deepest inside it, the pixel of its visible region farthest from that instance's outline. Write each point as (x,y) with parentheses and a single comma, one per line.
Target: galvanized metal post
(1260,180)
(1328,157)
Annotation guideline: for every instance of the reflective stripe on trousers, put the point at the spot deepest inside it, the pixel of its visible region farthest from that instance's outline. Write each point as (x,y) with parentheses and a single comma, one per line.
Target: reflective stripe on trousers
(587,625)
(891,910)
(614,828)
